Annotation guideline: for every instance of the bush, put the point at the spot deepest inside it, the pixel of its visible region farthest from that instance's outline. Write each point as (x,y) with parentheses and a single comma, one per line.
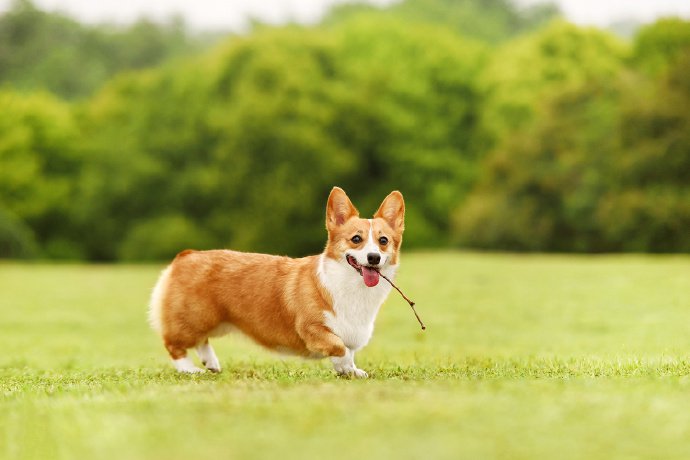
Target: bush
(161,238)
(16,238)
(39,163)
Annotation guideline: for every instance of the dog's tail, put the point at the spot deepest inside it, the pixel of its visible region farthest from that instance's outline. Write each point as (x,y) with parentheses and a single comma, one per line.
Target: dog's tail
(157,297)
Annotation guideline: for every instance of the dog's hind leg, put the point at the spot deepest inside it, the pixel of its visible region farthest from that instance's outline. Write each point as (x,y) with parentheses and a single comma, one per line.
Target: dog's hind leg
(182,362)
(208,356)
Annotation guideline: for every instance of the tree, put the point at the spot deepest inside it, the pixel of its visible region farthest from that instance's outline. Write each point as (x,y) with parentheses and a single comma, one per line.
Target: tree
(603,166)
(537,66)
(251,137)
(50,51)
(649,209)
(491,21)
(410,114)
(233,142)
(39,159)
(659,45)
(540,191)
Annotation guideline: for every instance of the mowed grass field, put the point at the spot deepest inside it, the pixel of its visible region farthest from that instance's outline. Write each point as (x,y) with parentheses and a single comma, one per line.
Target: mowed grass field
(524,357)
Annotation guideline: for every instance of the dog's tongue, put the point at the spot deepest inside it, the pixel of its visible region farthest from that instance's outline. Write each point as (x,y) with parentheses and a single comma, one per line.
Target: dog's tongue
(371,276)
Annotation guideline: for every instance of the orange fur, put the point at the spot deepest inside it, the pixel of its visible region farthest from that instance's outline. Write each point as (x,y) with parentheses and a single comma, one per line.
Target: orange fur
(277,301)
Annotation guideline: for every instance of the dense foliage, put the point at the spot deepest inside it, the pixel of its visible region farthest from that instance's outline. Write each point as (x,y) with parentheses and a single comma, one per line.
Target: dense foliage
(50,51)
(491,21)
(602,162)
(252,137)
(519,136)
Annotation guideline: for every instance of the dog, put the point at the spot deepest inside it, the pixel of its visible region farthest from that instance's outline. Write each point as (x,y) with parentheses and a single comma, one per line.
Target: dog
(321,306)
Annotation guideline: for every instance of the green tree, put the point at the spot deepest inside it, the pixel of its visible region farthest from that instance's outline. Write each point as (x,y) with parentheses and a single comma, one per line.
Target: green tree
(16,238)
(246,141)
(50,51)
(492,21)
(538,66)
(410,114)
(560,140)
(649,209)
(233,141)
(540,191)
(551,120)
(660,44)
(39,159)
(603,166)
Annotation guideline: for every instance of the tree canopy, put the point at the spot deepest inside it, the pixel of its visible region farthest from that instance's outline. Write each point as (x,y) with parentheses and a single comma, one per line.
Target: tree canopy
(504,129)
(50,51)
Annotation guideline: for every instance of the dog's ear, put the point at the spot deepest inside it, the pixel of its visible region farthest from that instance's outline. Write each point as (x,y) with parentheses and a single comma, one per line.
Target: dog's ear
(392,210)
(339,209)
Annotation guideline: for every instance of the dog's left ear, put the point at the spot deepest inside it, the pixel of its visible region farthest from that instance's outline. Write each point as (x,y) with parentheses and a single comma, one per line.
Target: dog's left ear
(392,210)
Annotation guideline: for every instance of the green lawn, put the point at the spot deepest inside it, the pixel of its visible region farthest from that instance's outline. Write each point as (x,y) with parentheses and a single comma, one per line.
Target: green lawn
(524,357)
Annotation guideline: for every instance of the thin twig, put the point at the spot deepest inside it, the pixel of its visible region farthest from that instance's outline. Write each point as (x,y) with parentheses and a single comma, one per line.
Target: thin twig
(405,297)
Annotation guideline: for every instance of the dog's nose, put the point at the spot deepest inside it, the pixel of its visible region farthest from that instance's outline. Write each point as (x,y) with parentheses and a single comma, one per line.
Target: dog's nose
(373,258)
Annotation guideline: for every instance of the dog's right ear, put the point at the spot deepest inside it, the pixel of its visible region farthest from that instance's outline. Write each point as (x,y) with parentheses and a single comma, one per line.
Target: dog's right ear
(339,209)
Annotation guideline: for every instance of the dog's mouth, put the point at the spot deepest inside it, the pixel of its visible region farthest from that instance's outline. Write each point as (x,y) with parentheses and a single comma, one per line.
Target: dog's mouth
(370,274)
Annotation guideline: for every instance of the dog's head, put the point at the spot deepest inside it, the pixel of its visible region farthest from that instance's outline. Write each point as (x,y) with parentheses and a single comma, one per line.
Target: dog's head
(367,245)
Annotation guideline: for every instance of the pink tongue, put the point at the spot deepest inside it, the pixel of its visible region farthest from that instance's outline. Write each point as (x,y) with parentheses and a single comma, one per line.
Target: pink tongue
(371,276)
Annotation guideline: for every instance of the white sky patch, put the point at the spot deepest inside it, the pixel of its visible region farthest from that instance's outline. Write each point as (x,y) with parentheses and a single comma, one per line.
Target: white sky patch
(604,12)
(236,14)
(199,14)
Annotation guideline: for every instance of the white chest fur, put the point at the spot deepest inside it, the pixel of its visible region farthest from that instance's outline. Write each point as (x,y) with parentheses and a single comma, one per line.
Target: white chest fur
(354,304)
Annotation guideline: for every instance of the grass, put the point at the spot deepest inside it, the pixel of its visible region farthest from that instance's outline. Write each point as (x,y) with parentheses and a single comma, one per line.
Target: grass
(524,357)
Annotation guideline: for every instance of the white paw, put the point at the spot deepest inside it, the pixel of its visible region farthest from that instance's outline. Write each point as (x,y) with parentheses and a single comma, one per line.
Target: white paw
(194,370)
(352,371)
(360,374)
(345,366)
(185,365)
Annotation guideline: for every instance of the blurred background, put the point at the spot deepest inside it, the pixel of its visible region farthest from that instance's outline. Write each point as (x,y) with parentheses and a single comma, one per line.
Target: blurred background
(132,130)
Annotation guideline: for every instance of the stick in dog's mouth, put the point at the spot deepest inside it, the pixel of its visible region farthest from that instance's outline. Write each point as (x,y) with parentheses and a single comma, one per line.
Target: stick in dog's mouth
(351,260)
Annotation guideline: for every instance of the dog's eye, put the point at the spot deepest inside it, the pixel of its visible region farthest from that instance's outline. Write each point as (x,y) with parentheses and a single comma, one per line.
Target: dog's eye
(356,239)
(383,241)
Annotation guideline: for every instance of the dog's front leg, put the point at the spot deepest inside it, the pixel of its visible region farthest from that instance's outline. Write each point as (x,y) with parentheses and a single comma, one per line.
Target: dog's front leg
(319,339)
(345,365)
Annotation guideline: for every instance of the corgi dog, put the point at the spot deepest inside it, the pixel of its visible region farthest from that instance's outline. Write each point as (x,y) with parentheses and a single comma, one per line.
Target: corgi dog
(321,306)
